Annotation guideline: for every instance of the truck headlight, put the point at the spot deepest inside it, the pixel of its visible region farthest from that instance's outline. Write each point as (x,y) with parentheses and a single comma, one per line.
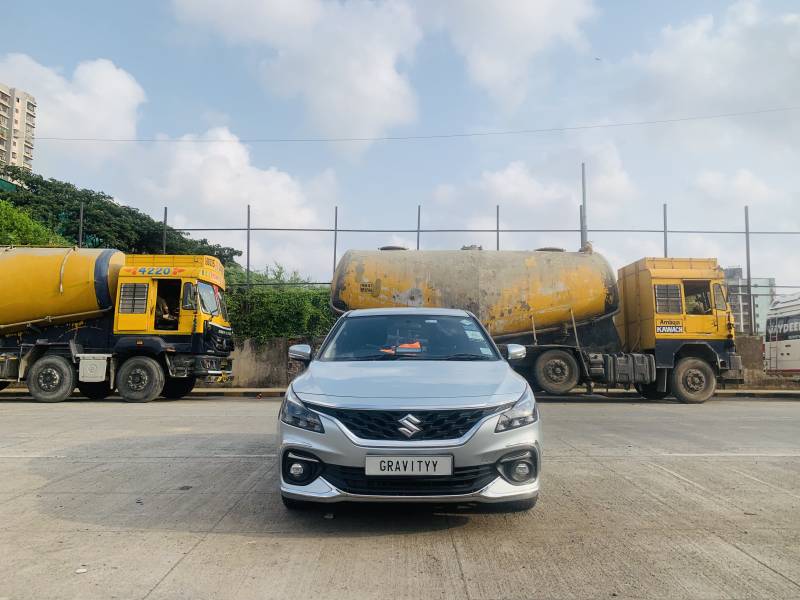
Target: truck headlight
(524,412)
(294,412)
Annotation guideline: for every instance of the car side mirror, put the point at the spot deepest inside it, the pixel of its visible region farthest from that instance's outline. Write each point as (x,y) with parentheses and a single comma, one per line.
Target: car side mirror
(301,352)
(515,352)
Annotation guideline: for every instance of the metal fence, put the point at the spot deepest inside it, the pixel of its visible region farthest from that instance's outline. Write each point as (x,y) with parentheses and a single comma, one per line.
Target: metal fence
(750,291)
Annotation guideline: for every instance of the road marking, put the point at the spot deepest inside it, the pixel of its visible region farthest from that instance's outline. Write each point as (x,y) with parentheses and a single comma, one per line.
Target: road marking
(679,476)
(766,483)
(733,454)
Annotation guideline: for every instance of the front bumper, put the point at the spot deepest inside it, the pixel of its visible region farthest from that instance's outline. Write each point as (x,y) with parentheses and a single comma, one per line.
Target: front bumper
(208,366)
(480,446)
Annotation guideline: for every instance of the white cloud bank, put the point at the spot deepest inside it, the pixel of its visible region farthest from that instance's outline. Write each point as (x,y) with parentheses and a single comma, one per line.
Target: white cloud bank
(99,100)
(203,184)
(211,185)
(500,40)
(747,60)
(342,59)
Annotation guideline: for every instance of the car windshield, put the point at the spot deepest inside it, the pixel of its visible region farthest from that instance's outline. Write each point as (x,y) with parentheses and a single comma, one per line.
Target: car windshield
(409,337)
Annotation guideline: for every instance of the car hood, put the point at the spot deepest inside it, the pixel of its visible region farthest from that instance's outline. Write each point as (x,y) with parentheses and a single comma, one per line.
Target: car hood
(409,384)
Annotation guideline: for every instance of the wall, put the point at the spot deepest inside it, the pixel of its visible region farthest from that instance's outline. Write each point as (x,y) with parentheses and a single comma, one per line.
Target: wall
(266,364)
(750,349)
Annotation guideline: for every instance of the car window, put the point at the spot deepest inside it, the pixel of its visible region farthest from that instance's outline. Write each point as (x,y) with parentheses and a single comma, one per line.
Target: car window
(412,337)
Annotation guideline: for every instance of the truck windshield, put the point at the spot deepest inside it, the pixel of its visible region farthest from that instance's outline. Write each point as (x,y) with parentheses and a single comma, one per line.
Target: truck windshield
(208,298)
(409,337)
(223,307)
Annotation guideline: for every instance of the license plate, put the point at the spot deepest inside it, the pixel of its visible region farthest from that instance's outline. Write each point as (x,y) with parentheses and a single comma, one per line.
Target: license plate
(409,465)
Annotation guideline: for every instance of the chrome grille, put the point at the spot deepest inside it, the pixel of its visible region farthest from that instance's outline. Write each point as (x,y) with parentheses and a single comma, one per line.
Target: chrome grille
(386,424)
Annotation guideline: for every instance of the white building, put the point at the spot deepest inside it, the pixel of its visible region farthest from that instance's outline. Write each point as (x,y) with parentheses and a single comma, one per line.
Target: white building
(17,123)
(763,294)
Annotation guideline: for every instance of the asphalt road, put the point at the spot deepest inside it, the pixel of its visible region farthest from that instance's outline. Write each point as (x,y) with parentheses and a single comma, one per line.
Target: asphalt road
(179,500)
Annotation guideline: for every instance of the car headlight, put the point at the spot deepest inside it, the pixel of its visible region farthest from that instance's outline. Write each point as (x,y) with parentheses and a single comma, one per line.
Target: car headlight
(294,412)
(524,412)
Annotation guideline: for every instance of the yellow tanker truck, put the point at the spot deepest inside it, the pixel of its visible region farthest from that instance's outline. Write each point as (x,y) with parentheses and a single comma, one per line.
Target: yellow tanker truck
(98,320)
(665,328)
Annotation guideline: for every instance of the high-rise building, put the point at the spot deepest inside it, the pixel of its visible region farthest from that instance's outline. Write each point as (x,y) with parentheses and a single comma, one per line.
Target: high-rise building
(17,123)
(763,295)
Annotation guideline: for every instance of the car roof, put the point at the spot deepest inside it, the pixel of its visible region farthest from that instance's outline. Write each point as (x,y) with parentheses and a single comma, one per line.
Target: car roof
(444,312)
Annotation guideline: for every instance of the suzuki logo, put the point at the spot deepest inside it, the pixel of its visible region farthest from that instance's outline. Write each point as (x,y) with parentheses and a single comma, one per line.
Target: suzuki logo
(409,425)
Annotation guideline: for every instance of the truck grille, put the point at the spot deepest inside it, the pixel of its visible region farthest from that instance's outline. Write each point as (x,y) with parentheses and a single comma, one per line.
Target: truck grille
(464,480)
(385,424)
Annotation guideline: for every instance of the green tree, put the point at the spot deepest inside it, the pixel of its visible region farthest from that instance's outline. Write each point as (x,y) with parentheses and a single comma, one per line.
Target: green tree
(18,229)
(107,224)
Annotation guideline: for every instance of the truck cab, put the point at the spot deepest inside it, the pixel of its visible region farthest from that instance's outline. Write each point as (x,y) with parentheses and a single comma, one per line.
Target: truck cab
(174,307)
(676,309)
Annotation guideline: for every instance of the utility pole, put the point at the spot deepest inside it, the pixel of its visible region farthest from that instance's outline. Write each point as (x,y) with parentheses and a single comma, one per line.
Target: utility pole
(80,228)
(164,234)
(749,278)
(584,229)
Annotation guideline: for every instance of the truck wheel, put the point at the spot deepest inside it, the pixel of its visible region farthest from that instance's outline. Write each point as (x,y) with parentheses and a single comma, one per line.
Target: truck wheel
(693,381)
(649,391)
(556,371)
(140,379)
(51,379)
(177,387)
(94,390)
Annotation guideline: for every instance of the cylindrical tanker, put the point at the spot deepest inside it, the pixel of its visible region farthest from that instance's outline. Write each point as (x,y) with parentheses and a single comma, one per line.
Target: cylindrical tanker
(511,292)
(55,285)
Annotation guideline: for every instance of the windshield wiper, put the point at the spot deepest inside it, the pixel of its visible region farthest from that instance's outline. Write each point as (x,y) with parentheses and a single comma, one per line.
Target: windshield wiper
(465,356)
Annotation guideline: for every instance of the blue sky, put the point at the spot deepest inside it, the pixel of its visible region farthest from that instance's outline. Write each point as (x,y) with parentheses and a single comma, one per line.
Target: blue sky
(227,71)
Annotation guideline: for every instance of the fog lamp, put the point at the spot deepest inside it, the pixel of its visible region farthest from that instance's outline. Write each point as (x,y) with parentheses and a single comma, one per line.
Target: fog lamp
(297,470)
(521,471)
(518,467)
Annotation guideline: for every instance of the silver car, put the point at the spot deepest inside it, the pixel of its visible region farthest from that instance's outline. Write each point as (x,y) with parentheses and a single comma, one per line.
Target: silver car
(409,405)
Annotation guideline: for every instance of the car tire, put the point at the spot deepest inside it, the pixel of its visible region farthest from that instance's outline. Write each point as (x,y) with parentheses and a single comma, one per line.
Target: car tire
(94,390)
(693,381)
(140,379)
(521,505)
(556,371)
(649,391)
(176,388)
(294,504)
(51,379)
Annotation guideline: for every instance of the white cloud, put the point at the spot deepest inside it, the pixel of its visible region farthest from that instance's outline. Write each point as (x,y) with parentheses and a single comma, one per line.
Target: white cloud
(211,185)
(500,40)
(539,193)
(203,184)
(342,59)
(740,189)
(748,60)
(518,188)
(99,100)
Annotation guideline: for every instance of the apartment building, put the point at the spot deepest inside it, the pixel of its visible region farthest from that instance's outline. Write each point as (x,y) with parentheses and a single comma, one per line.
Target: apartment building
(764,292)
(17,124)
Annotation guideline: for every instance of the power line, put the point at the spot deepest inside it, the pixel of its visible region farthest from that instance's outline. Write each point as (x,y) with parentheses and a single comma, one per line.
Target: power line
(439,136)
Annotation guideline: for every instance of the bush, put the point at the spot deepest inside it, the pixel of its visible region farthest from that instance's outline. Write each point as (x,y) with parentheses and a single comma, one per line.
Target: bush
(276,305)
